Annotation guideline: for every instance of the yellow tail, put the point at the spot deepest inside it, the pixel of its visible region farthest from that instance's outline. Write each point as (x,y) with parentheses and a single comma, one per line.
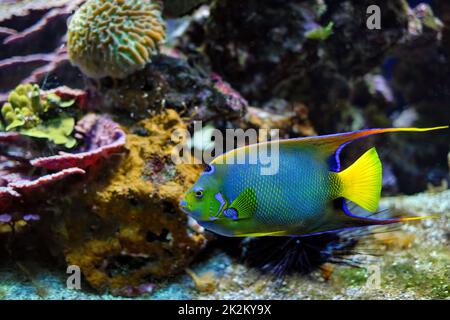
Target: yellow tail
(361,182)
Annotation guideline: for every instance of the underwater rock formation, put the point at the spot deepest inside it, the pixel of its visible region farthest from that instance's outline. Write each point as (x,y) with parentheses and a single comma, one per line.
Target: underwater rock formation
(171,82)
(177,8)
(265,51)
(114,214)
(420,73)
(126,228)
(114,38)
(290,119)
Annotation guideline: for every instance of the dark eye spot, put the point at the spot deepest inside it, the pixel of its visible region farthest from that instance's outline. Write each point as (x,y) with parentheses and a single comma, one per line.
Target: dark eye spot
(209,169)
(231,213)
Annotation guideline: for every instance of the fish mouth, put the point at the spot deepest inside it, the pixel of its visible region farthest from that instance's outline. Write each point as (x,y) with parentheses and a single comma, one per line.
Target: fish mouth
(193,214)
(185,208)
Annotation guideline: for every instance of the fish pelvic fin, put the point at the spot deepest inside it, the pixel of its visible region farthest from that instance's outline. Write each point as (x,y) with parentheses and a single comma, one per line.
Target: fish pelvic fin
(361,182)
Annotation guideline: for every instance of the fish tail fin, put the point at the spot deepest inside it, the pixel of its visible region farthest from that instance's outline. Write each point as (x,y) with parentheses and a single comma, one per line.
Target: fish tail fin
(361,182)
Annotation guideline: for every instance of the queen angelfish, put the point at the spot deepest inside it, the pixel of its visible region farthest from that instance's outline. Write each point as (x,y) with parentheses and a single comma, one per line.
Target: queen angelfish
(235,199)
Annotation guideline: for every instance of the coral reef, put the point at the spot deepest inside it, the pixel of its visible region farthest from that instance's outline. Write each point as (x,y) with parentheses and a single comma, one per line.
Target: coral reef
(294,122)
(87,173)
(28,171)
(126,228)
(114,38)
(32,38)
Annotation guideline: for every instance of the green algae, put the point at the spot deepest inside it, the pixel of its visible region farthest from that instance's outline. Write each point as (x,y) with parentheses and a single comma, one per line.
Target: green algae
(351,276)
(56,130)
(406,276)
(34,115)
(2,294)
(321,33)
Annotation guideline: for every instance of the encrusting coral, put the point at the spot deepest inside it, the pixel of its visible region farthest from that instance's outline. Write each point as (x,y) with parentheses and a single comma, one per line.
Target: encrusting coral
(126,227)
(114,38)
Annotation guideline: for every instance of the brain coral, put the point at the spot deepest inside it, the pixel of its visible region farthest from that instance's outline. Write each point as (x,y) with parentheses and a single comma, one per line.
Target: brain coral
(114,38)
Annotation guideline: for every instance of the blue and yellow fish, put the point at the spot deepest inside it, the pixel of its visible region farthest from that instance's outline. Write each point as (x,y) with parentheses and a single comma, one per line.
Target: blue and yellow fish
(237,200)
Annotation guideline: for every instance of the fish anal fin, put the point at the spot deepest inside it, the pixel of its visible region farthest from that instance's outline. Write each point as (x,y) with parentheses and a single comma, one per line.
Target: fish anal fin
(375,221)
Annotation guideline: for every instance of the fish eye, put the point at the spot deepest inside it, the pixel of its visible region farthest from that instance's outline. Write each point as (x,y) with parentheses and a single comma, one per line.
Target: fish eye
(199,193)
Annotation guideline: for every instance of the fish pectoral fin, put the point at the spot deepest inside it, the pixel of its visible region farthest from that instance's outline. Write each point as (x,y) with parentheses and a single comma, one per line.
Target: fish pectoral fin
(245,204)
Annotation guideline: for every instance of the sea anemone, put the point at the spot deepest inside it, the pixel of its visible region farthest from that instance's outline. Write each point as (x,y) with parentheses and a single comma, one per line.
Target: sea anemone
(114,38)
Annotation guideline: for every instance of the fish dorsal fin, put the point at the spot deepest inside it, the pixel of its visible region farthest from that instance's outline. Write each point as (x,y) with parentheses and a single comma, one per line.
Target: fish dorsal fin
(245,204)
(332,144)
(327,145)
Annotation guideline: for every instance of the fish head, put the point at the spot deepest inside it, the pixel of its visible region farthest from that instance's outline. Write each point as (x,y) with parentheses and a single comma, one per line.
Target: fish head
(200,201)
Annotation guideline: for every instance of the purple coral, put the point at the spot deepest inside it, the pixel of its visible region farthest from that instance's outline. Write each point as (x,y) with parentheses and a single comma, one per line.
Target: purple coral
(24,172)
(32,53)
(102,137)
(18,182)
